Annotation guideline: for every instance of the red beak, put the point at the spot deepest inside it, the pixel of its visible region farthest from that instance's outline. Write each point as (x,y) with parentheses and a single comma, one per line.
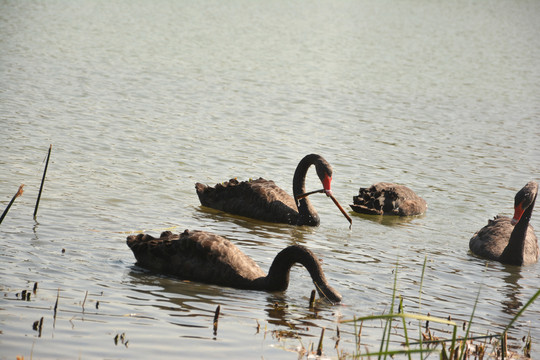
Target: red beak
(518,212)
(327,185)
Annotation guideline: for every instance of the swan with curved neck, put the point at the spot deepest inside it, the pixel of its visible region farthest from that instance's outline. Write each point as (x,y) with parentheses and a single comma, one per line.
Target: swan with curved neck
(210,258)
(510,241)
(264,200)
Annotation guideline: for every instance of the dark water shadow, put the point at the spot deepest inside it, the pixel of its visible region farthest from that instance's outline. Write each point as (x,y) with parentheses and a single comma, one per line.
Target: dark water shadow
(388,220)
(192,304)
(178,296)
(512,290)
(296,320)
(511,277)
(258,228)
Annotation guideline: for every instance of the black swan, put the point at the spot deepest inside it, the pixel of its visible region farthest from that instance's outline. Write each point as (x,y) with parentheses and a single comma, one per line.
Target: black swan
(388,199)
(264,200)
(206,257)
(510,241)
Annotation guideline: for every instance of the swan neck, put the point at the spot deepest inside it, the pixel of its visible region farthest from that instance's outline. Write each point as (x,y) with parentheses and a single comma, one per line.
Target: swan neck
(514,252)
(306,211)
(278,275)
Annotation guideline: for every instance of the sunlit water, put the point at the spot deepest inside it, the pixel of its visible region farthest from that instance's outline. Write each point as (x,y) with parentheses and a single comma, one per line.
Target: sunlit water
(142,99)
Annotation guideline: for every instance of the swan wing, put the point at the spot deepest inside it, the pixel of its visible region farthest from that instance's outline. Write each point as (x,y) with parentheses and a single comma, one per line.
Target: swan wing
(259,199)
(195,255)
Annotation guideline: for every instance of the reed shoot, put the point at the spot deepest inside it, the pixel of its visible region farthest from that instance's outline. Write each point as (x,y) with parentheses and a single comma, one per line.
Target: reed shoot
(42,182)
(19,193)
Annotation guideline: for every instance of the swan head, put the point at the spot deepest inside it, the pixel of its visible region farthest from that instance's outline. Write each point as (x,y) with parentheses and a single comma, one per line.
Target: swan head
(523,199)
(324,172)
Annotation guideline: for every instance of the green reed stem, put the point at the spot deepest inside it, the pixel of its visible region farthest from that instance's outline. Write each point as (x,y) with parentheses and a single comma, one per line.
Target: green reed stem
(398,352)
(420,304)
(464,341)
(405,329)
(388,325)
(403,316)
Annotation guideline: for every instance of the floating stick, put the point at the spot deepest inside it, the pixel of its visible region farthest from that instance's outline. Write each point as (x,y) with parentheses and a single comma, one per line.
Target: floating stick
(301,196)
(359,335)
(19,193)
(56,307)
(338,337)
(42,181)
(312,299)
(38,326)
(84,301)
(342,211)
(504,343)
(216,317)
(319,348)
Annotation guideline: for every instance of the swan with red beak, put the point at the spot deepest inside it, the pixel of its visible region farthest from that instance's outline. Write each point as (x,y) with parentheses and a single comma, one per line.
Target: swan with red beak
(263,200)
(510,241)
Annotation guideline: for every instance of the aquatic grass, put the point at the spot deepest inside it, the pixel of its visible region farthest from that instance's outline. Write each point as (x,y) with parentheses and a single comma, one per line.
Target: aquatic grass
(384,350)
(427,344)
(388,324)
(420,303)
(514,319)
(396,342)
(384,347)
(464,341)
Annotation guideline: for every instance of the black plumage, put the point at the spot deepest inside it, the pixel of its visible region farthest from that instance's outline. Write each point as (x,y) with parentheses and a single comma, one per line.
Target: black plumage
(207,257)
(388,199)
(263,200)
(510,241)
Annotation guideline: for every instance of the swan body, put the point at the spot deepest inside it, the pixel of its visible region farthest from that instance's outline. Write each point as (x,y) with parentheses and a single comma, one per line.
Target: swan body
(510,241)
(388,199)
(210,258)
(264,200)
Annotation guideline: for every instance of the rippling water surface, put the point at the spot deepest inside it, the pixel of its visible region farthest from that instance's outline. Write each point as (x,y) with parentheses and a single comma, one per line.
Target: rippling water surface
(142,99)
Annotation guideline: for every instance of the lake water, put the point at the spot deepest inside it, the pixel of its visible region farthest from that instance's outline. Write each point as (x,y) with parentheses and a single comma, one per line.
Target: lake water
(142,99)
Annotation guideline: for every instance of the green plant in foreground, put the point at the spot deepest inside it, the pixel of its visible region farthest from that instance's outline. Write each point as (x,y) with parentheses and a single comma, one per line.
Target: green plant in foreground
(458,348)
